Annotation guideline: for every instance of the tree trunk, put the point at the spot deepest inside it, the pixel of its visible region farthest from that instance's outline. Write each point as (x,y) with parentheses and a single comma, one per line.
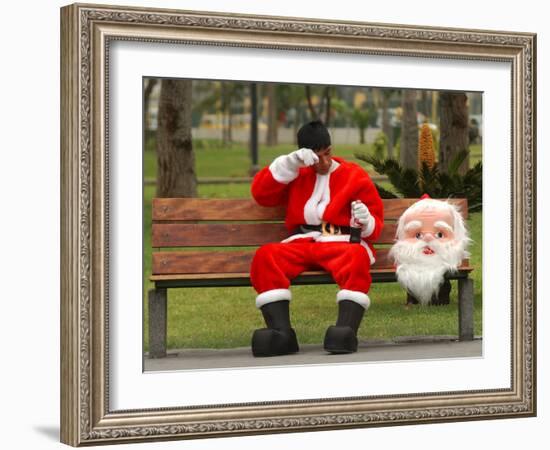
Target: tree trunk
(254,167)
(409,131)
(312,112)
(296,124)
(435,102)
(228,128)
(176,161)
(453,119)
(149,86)
(272,122)
(328,105)
(424,105)
(362,133)
(227,137)
(386,125)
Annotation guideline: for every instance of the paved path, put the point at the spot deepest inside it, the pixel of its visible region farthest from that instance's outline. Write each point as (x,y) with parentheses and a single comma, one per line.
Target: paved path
(401,349)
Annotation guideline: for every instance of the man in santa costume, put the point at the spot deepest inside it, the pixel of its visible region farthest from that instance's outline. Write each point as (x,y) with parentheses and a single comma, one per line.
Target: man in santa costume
(431,240)
(333,214)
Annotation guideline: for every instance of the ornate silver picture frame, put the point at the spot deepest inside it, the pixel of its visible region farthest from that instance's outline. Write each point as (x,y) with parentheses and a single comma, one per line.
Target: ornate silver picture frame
(87,33)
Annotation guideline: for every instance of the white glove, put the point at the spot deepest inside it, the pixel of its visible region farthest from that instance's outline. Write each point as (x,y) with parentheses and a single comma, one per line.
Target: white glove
(361,216)
(285,168)
(304,157)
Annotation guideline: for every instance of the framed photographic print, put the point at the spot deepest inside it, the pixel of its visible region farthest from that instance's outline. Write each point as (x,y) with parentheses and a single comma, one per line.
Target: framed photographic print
(210,288)
(167,116)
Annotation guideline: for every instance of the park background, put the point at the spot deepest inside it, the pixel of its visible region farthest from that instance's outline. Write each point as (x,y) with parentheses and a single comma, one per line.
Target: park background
(30,369)
(207,139)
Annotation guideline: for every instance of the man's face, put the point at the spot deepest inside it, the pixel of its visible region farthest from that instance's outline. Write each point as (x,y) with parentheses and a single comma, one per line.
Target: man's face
(325,160)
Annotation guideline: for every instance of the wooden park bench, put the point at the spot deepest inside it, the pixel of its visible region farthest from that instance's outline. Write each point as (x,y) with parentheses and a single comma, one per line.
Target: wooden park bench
(188,223)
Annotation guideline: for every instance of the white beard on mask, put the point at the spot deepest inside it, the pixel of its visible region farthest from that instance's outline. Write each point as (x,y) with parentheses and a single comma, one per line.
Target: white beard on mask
(421,274)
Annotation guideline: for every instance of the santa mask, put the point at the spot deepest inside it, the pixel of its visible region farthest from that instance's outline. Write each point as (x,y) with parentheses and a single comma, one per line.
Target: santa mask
(431,240)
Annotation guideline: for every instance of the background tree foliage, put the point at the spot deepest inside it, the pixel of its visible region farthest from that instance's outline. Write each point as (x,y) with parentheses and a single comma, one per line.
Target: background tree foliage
(412,183)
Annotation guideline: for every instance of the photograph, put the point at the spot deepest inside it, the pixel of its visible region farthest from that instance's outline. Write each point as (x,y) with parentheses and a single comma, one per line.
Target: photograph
(291,224)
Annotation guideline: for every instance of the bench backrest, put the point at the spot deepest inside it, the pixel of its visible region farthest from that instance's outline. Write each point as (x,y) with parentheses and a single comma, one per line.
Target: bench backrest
(187,229)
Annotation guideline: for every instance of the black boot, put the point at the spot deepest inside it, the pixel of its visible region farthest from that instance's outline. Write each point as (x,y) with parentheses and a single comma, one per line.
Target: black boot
(278,338)
(342,337)
(443,296)
(411,299)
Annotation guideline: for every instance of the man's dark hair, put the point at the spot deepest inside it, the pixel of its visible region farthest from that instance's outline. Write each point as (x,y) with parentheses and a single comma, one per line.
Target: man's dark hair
(314,135)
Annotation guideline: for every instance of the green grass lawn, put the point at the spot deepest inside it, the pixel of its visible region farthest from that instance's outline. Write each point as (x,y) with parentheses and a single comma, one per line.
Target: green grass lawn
(234,162)
(226,317)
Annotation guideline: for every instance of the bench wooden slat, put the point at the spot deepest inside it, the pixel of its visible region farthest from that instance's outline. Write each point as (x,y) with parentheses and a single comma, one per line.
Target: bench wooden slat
(201,262)
(228,235)
(193,262)
(196,209)
(217,235)
(393,208)
(220,276)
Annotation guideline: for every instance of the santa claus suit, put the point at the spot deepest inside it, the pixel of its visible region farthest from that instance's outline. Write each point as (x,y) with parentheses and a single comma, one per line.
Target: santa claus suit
(311,199)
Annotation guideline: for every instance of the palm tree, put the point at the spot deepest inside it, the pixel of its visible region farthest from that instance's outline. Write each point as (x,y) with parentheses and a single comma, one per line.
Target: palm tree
(409,133)
(386,125)
(324,106)
(290,97)
(272,117)
(220,96)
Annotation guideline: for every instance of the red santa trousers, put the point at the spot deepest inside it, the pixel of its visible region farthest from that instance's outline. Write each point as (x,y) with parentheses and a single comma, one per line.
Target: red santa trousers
(275,265)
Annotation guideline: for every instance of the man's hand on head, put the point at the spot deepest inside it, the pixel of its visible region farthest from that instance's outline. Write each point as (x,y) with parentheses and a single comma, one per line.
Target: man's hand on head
(304,157)
(285,168)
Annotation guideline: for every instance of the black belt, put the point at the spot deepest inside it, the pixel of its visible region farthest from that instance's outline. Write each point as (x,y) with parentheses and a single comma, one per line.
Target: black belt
(333,230)
(327,228)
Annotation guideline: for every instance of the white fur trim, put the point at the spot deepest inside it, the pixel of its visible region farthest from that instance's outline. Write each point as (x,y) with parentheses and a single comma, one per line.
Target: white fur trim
(345,238)
(311,234)
(333,238)
(369,251)
(274,295)
(283,169)
(335,164)
(355,296)
(320,197)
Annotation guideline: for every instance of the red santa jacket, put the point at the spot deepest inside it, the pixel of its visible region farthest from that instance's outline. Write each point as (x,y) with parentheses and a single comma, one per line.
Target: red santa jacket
(311,198)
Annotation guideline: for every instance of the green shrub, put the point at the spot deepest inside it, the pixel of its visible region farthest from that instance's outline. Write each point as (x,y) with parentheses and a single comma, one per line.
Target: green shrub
(412,183)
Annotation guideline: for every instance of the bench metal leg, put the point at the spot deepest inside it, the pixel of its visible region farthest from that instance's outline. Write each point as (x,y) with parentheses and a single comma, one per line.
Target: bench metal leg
(157,323)
(466,309)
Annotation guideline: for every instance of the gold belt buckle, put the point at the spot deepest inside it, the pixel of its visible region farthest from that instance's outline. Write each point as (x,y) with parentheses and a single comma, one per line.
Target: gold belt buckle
(328,229)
